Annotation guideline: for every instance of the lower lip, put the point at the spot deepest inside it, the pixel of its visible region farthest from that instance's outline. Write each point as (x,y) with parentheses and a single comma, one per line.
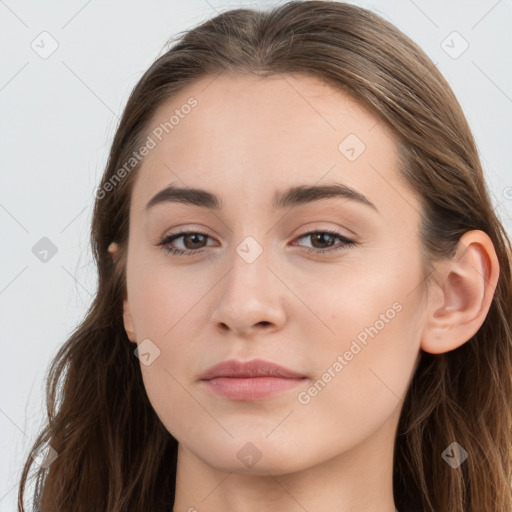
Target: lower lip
(251,388)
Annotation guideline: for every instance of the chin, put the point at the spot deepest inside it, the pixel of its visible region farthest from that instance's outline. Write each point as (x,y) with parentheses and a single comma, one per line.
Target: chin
(254,455)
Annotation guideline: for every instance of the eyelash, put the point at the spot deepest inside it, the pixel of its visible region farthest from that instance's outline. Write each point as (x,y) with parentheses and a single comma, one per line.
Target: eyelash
(165,243)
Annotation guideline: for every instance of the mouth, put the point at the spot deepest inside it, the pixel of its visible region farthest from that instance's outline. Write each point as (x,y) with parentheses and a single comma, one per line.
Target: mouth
(252,380)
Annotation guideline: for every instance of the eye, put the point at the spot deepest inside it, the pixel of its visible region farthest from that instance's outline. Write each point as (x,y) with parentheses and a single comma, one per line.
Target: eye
(191,238)
(194,242)
(319,237)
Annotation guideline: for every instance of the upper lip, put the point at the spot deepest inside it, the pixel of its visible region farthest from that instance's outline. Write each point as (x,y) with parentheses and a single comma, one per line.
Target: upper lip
(253,368)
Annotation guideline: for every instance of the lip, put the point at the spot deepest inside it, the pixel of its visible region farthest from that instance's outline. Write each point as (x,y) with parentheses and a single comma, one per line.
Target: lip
(253,368)
(251,380)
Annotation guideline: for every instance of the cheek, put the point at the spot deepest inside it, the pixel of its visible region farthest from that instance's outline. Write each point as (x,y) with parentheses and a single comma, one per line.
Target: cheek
(364,363)
(359,385)
(171,399)
(357,303)
(162,298)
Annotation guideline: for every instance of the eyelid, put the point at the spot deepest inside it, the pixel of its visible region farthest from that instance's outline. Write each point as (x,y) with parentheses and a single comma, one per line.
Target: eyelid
(339,230)
(186,230)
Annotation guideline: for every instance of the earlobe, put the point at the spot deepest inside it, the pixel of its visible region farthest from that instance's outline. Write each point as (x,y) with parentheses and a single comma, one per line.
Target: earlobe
(128,322)
(112,249)
(464,294)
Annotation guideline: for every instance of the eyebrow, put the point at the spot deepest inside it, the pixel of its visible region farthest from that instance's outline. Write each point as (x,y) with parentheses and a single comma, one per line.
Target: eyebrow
(294,196)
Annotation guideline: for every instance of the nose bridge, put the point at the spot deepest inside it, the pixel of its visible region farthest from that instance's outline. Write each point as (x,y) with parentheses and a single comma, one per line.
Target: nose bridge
(250,294)
(252,241)
(249,273)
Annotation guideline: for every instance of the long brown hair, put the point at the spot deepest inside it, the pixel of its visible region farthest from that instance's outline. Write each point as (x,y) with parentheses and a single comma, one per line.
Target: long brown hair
(114,454)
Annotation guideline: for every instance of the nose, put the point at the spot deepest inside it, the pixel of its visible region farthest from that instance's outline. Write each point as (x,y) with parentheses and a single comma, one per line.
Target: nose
(251,298)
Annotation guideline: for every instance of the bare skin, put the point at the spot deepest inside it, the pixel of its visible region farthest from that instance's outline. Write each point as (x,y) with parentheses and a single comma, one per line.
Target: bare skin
(327,450)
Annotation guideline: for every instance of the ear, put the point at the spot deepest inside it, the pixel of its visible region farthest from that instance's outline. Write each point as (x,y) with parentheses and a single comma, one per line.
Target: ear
(460,299)
(128,322)
(127,316)
(113,248)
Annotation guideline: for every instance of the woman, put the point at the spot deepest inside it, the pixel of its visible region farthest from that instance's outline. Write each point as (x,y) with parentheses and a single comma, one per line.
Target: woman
(304,296)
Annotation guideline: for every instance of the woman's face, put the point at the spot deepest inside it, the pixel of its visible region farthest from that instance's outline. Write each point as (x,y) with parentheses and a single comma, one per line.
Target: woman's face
(259,282)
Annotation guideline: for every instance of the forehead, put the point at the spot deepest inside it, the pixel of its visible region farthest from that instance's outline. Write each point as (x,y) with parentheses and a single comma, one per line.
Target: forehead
(259,134)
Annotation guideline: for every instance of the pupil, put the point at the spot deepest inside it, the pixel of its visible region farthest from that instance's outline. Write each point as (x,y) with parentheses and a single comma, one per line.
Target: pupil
(322,237)
(195,236)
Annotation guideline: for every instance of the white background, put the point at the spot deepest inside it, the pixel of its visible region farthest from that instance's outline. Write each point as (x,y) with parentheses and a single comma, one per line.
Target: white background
(58,117)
